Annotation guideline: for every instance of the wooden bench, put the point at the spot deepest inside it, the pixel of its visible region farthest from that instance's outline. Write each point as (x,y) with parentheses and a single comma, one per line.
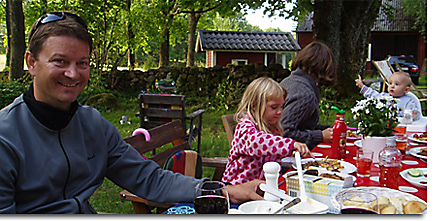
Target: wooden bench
(170,133)
(158,109)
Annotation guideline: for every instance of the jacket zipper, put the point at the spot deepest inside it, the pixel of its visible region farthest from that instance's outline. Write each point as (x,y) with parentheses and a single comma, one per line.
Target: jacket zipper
(68,163)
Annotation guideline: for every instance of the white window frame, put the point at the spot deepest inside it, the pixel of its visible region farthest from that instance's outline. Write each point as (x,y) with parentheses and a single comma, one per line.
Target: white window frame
(237,61)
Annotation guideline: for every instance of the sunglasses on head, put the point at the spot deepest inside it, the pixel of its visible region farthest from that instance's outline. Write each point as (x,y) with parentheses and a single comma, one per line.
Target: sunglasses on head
(56,16)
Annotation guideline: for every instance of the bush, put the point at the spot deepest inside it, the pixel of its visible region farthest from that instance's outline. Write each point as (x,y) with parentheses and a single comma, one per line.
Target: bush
(9,91)
(103,101)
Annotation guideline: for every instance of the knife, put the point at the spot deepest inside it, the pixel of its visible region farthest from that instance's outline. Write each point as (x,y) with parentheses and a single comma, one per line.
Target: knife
(288,205)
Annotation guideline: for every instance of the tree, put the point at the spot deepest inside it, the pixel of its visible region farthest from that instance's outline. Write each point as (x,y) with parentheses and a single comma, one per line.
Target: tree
(197,8)
(344,25)
(418,9)
(17,40)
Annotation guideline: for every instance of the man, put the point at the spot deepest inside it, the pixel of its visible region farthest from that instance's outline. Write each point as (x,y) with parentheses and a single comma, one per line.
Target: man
(55,152)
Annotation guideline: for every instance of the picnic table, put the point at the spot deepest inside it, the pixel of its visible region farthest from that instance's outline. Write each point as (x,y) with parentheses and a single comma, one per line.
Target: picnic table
(408,161)
(322,150)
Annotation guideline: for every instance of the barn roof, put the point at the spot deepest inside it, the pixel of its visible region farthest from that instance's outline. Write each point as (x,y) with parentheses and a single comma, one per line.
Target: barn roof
(246,41)
(398,23)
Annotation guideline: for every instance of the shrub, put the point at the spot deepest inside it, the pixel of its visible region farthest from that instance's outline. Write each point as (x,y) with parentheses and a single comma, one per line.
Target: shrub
(9,91)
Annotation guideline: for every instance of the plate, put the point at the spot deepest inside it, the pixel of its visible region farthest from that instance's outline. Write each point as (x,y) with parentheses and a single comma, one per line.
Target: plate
(358,143)
(416,181)
(348,167)
(415,152)
(411,137)
(379,192)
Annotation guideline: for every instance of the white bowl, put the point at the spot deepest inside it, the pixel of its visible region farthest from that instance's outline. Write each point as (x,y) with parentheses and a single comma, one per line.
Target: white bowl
(259,207)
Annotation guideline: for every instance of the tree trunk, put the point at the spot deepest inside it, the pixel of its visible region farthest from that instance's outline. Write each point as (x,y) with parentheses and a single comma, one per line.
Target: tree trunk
(8,35)
(344,25)
(164,49)
(18,43)
(193,23)
(130,36)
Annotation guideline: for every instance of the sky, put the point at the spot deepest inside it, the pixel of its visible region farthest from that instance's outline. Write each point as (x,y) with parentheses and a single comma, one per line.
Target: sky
(263,21)
(256,17)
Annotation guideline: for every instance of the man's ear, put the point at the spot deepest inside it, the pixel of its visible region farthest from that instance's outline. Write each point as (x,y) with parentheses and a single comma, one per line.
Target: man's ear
(30,61)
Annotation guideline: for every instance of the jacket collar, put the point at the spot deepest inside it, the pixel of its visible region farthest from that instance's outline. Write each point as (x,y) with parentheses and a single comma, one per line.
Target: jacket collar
(48,115)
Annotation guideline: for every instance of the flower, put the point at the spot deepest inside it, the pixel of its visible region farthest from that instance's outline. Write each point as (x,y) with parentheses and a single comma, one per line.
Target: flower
(376,116)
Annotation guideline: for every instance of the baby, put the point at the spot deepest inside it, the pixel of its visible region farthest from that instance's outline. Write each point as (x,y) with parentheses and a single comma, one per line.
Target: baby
(400,83)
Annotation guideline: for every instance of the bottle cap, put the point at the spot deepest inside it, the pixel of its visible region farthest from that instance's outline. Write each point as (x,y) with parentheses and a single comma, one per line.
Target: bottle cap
(337,110)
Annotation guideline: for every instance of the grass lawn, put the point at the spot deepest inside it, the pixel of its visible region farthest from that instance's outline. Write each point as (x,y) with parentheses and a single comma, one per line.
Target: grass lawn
(214,143)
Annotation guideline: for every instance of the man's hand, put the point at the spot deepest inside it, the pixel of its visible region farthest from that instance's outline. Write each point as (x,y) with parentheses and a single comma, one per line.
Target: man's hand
(245,191)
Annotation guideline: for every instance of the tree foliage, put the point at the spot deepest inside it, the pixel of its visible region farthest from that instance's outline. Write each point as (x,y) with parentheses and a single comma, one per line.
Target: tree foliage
(417,9)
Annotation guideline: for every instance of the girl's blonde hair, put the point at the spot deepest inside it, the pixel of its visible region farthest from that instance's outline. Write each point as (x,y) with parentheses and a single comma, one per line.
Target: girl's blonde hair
(254,102)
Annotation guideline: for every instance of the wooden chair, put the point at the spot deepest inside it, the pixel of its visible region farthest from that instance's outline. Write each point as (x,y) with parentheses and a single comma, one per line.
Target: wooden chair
(230,126)
(172,132)
(219,163)
(158,109)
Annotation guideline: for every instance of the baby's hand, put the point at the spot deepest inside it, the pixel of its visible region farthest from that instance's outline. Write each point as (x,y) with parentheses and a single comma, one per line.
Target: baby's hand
(359,82)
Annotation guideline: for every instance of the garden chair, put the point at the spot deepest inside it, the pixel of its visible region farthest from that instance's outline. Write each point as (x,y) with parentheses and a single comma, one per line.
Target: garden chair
(158,109)
(172,132)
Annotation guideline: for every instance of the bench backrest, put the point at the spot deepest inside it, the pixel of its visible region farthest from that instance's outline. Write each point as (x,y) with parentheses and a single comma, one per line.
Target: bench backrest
(169,133)
(158,109)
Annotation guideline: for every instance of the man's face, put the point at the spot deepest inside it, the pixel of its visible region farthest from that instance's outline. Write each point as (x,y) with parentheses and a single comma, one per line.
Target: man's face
(61,70)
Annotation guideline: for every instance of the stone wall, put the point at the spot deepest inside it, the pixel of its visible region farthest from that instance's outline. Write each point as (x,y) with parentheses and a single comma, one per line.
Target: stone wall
(197,81)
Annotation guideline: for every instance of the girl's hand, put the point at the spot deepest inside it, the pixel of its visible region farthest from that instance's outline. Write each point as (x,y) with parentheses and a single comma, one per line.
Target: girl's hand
(359,82)
(301,148)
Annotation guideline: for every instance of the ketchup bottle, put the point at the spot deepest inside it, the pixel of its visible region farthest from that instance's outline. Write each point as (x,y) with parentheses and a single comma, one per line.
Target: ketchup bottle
(339,135)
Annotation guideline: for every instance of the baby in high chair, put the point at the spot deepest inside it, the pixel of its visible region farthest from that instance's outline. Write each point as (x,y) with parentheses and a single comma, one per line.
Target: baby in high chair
(400,84)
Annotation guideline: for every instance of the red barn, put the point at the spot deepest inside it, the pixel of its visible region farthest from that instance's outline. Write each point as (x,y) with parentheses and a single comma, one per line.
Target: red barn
(231,47)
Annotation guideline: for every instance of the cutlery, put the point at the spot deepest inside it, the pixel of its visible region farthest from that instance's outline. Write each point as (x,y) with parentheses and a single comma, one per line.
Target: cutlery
(288,205)
(275,192)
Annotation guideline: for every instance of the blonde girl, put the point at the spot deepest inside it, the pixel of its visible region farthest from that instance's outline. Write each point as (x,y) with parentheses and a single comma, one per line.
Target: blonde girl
(258,134)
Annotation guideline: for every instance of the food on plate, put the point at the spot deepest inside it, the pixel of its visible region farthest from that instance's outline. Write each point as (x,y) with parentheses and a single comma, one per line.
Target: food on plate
(390,205)
(383,202)
(329,164)
(414,207)
(420,136)
(350,133)
(423,151)
(415,172)
(312,172)
(389,210)
(331,176)
(356,201)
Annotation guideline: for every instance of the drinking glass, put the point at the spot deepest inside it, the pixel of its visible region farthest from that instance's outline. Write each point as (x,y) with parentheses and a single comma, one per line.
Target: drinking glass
(211,197)
(364,159)
(401,142)
(359,202)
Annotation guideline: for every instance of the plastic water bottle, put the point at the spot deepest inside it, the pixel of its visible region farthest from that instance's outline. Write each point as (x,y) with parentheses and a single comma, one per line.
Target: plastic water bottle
(390,164)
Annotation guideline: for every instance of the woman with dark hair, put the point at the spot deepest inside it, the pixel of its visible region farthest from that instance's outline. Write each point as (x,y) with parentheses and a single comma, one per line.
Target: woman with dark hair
(314,64)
